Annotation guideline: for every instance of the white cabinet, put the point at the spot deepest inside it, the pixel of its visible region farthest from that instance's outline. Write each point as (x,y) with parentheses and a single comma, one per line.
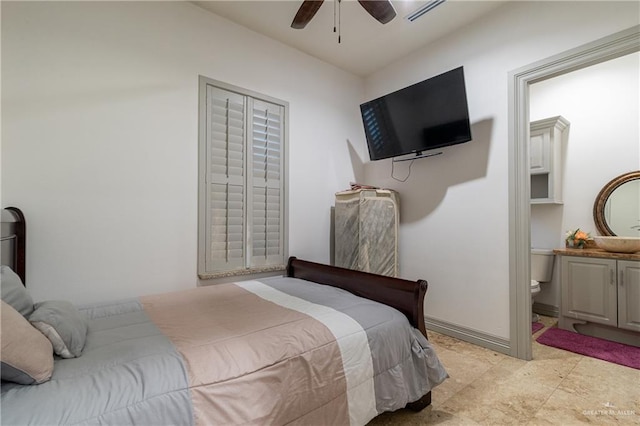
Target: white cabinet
(589,291)
(547,141)
(629,295)
(602,291)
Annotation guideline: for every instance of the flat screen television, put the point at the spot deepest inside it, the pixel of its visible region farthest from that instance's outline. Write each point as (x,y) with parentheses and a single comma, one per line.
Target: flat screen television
(424,116)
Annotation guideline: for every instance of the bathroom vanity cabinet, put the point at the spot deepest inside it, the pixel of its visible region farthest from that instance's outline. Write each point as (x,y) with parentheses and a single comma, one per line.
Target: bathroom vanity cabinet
(600,288)
(547,138)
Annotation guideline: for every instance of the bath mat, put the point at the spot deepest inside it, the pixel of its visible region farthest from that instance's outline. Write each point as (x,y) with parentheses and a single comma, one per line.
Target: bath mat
(593,347)
(536,326)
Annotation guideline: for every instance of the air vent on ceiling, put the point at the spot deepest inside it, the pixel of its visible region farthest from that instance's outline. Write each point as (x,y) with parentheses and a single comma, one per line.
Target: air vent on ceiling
(424,9)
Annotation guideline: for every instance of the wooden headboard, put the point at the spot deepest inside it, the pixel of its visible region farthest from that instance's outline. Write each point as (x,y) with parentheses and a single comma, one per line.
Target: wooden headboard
(14,239)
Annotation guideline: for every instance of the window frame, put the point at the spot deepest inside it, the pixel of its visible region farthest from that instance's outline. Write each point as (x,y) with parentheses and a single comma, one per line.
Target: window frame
(248,268)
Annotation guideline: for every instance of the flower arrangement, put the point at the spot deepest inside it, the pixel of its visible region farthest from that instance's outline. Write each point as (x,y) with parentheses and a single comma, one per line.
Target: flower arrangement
(577,238)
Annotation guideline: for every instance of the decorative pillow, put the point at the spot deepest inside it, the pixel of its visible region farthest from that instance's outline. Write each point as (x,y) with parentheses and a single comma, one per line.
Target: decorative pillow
(27,356)
(14,293)
(63,325)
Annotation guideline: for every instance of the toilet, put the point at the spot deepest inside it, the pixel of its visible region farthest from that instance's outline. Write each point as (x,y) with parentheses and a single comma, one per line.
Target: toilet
(541,272)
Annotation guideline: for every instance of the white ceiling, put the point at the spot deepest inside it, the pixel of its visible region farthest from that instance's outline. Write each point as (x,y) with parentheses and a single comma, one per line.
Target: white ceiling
(366,45)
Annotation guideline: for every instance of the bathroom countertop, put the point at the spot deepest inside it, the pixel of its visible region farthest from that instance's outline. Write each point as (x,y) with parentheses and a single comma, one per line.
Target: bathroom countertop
(596,252)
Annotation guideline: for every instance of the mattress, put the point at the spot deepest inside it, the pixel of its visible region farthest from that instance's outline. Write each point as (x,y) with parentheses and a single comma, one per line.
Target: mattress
(272,351)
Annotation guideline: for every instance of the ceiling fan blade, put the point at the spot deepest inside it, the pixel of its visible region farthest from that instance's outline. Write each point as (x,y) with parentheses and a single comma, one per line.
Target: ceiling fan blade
(306,13)
(381,10)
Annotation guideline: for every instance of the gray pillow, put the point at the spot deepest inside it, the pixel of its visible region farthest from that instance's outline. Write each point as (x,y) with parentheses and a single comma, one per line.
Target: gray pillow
(14,293)
(63,325)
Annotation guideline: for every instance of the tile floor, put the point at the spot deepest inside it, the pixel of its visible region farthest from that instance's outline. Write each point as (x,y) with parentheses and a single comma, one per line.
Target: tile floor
(555,388)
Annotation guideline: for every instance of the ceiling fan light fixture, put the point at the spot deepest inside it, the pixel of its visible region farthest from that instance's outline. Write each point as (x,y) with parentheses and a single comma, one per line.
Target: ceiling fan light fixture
(381,10)
(423,9)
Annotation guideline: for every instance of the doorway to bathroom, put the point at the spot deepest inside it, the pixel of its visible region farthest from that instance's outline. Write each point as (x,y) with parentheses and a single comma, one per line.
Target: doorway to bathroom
(522,236)
(600,103)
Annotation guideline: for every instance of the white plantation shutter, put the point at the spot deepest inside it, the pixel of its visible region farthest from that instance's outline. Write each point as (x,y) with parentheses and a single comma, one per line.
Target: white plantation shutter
(242,194)
(266,167)
(226,179)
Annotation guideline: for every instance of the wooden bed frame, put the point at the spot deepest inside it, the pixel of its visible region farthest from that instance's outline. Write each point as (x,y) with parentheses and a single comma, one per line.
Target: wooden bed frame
(403,295)
(15,231)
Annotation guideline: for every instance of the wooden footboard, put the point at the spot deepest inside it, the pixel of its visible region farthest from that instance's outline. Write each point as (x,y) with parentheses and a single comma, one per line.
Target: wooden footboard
(403,295)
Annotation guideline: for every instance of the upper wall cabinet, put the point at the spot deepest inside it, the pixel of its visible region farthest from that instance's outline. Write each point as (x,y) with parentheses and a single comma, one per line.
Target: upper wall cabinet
(548,137)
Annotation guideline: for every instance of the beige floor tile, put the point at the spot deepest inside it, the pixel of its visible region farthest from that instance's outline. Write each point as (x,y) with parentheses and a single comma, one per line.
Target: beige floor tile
(601,382)
(555,388)
(548,321)
(565,409)
(462,368)
(548,372)
(500,396)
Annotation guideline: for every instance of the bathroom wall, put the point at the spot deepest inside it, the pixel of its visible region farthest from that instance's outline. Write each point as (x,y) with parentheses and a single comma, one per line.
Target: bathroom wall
(602,104)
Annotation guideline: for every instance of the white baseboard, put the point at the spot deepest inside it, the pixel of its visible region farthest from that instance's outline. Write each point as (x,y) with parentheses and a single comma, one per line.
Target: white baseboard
(484,340)
(547,310)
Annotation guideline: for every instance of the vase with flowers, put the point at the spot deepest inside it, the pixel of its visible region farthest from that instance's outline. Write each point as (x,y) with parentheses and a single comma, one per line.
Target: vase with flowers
(577,238)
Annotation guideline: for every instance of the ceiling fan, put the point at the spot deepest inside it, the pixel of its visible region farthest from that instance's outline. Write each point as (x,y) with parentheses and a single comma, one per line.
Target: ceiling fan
(381,10)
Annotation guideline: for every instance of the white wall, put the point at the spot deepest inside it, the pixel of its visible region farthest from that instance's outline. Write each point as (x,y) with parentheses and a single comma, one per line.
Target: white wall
(99,143)
(100,137)
(454,207)
(602,103)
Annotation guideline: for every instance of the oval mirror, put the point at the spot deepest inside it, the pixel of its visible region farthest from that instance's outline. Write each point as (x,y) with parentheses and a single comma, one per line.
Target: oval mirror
(616,210)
